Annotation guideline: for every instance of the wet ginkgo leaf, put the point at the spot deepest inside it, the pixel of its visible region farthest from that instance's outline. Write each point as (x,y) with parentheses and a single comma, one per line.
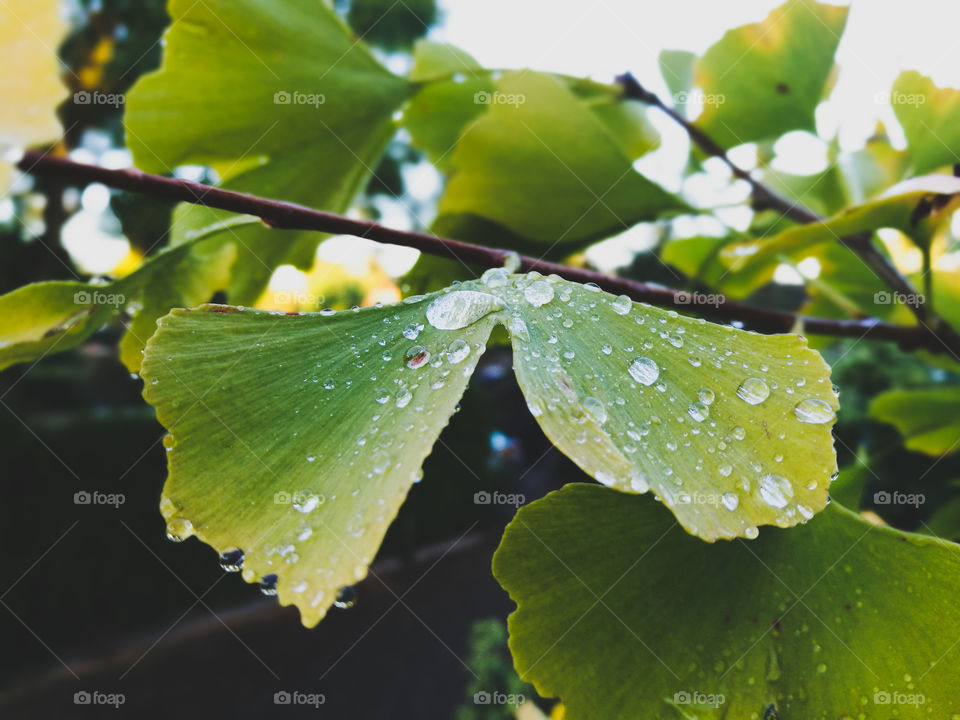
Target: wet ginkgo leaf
(621,615)
(295,439)
(730,429)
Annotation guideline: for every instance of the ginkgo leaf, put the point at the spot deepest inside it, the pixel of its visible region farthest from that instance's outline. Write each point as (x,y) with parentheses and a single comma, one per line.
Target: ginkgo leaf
(928,419)
(294,439)
(916,207)
(283,102)
(621,615)
(30,31)
(764,79)
(730,429)
(930,117)
(547,182)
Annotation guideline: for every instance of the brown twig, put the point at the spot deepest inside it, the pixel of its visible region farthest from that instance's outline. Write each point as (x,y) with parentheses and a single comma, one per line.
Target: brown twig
(289,216)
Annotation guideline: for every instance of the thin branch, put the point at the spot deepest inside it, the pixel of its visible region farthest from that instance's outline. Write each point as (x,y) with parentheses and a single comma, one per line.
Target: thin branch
(766,198)
(289,216)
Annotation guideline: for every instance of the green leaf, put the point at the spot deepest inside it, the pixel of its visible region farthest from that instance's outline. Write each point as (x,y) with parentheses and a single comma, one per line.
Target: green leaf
(929,419)
(916,207)
(346,406)
(547,181)
(765,79)
(730,429)
(619,613)
(930,117)
(282,102)
(677,67)
(296,438)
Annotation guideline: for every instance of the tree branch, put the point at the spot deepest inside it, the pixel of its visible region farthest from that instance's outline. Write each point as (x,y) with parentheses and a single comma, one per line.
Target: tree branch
(289,216)
(764,197)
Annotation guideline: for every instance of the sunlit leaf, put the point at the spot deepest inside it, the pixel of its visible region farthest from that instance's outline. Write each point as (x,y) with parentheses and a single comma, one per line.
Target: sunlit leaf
(282,101)
(728,428)
(547,181)
(764,79)
(296,438)
(622,615)
(930,117)
(928,419)
(676,66)
(30,85)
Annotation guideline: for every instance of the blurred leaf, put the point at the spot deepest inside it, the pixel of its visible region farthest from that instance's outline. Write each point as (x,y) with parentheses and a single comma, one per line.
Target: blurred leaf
(677,68)
(945,522)
(873,168)
(623,616)
(765,79)
(543,180)
(30,31)
(824,192)
(929,420)
(316,116)
(930,117)
(730,429)
(391,25)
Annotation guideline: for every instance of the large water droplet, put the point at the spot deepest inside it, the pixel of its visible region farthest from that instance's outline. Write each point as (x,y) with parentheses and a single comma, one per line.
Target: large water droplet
(457,351)
(268,584)
(751,532)
(730,501)
(753,391)
(346,597)
(698,411)
(457,309)
(416,357)
(644,370)
(596,409)
(775,489)
(622,305)
(495,277)
(814,411)
(538,293)
(232,560)
(412,331)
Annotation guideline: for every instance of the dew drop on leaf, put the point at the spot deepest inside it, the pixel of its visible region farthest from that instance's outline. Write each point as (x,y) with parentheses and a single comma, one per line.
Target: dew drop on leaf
(622,305)
(730,501)
(232,560)
(775,489)
(268,584)
(644,370)
(346,597)
(753,391)
(412,331)
(751,533)
(460,308)
(457,351)
(698,411)
(596,409)
(538,293)
(416,357)
(179,529)
(814,411)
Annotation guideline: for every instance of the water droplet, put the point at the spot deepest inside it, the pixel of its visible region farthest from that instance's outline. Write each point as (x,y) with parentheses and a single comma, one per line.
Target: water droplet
(416,357)
(805,511)
(495,277)
(751,533)
(596,409)
(698,411)
(231,560)
(725,470)
(403,397)
(179,529)
(739,433)
(460,308)
(622,305)
(775,489)
(644,370)
(814,411)
(606,349)
(329,384)
(346,597)
(268,584)
(538,293)
(639,484)
(169,442)
(518,328)
(706,396)
(412,331)
(457,351)
(753,391)
(305,502)
(730,501)
(381,461)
